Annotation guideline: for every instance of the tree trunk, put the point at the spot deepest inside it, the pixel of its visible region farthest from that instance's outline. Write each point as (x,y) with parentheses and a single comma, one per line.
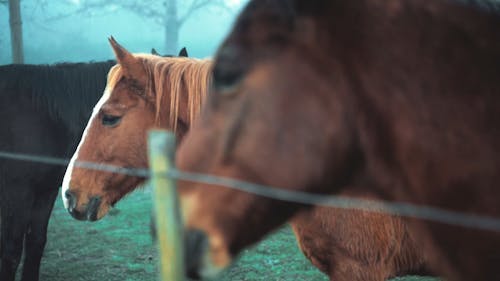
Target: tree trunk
(16,31)
(171,28)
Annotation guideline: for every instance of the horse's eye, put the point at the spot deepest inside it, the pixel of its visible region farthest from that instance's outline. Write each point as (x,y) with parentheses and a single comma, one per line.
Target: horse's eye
(228,71)
(226,77)
(110,120)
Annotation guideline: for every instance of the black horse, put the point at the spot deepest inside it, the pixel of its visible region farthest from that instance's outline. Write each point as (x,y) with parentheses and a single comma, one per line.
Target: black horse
(43,111)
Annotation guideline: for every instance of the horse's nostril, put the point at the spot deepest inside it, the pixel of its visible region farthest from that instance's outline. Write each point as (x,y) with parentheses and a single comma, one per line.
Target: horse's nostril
(70,196)
(196,243)
(93,208)
(72,200)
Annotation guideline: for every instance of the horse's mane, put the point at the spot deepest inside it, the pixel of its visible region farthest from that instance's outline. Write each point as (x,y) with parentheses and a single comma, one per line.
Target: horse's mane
(175,77)
(66,91)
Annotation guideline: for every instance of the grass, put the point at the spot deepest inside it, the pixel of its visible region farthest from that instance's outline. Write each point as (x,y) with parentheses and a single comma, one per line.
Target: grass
(119,248)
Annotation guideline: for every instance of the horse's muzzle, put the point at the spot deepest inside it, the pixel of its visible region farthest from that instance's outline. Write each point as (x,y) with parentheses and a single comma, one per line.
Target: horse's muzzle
(196,245)
(89,211)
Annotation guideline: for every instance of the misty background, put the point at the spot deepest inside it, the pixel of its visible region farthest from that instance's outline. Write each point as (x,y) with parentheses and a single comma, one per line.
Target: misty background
(77,30)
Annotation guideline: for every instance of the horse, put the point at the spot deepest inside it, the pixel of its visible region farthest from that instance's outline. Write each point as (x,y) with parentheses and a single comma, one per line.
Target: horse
(398,98)
(182,53)
(144,92)
(43,109)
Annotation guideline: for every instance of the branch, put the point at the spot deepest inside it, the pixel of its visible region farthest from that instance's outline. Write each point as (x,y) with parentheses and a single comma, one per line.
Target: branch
(84,8)
(146,11)
(197,5)
(142,9)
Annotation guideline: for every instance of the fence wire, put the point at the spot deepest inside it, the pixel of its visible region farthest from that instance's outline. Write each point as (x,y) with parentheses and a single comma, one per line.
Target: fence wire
(385,207)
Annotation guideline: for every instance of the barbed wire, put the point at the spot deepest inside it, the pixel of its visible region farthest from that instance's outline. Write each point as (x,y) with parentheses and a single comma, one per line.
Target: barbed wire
(378,206)
(135,172)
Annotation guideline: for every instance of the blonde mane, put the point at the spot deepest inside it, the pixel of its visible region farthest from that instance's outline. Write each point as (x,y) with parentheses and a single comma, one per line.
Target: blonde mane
(174,77)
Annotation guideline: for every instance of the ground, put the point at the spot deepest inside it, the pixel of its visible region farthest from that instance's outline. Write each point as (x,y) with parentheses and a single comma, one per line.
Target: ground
(119,248)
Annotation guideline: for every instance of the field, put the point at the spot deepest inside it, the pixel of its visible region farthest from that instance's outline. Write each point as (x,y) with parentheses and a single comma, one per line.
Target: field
(119,248)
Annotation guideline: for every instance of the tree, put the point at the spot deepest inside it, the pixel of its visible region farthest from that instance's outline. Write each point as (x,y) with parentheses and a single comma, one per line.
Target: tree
(170,14)
(16,31)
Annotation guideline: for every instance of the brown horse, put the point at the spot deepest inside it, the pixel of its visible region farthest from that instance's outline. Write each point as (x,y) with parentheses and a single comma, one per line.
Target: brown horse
(400,98)
(146,91)
(135,93)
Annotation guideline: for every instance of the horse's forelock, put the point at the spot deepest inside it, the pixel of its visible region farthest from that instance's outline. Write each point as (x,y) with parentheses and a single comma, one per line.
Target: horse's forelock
(174,76)
(177,77)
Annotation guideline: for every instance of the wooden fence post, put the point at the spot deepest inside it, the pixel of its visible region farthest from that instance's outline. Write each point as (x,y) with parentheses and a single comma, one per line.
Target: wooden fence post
(166,206)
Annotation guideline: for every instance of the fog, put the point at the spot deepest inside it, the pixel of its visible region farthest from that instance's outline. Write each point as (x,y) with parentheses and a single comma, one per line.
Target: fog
(77,30)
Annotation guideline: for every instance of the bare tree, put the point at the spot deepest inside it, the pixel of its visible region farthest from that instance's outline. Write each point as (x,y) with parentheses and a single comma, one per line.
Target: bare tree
(170,14)
(2,3)
(16,31)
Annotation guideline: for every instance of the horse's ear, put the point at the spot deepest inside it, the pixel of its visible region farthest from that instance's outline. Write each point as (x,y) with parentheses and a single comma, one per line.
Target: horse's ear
(154,52)
(131,66)
(183,52)
(121,54)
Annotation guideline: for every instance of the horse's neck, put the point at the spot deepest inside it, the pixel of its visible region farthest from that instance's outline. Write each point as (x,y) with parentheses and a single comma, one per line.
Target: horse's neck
(85,85)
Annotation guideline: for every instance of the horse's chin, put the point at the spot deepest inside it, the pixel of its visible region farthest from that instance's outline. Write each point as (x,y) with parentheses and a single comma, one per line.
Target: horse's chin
(103,211)
(205,259)
(209,270)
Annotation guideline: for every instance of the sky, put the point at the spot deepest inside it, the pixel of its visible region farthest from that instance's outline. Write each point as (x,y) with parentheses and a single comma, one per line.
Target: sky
(51,36)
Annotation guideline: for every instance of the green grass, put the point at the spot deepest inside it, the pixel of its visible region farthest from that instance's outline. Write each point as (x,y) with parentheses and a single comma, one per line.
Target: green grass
(119,248)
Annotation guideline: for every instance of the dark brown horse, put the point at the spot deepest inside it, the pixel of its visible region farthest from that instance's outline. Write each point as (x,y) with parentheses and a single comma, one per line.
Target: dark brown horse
(167,93)
(400,98)
(356,245)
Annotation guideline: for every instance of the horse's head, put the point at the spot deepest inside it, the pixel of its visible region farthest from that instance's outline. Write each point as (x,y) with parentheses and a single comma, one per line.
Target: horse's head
(274,118)
(119,121)
(143,91)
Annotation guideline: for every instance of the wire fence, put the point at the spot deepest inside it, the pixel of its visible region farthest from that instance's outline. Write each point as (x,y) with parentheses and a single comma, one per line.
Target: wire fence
(385,207)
